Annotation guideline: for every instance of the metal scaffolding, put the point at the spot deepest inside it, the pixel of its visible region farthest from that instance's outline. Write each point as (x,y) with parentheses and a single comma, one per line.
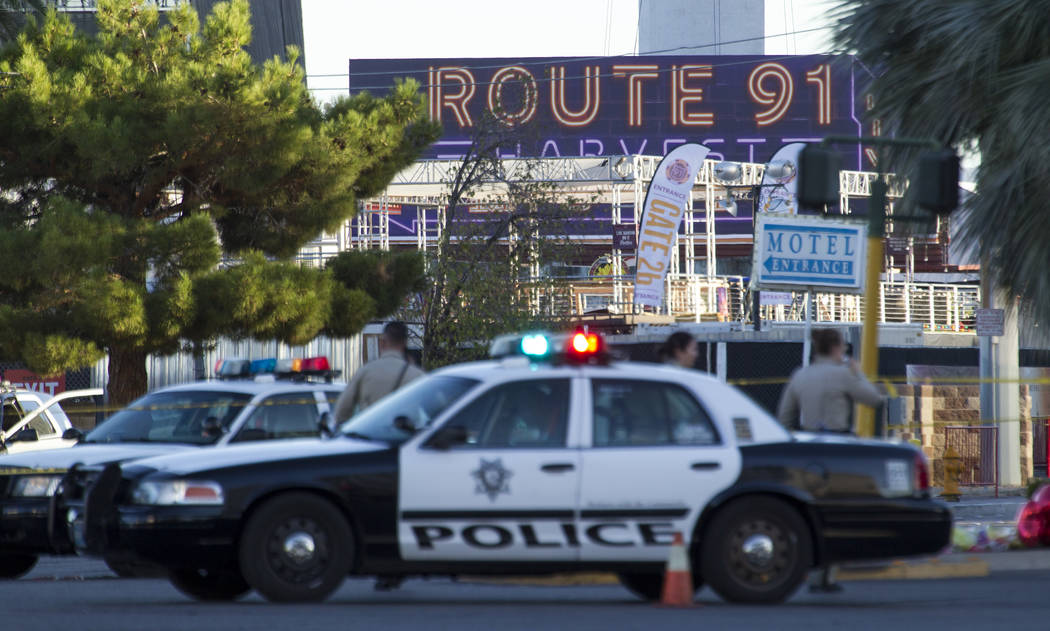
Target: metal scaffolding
(619,181)
(693,282)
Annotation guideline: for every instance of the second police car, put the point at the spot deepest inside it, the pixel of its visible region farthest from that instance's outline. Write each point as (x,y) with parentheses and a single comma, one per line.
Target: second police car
(519,466)
(251,404)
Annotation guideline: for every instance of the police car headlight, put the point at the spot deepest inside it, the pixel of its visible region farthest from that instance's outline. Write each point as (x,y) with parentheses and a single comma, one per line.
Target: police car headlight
(177,493)
(36,485)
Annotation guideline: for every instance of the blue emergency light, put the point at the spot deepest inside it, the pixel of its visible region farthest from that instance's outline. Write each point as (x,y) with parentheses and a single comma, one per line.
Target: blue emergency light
(535,345)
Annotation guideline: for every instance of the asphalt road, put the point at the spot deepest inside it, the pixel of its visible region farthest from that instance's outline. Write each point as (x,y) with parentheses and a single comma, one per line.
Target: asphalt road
(78,594)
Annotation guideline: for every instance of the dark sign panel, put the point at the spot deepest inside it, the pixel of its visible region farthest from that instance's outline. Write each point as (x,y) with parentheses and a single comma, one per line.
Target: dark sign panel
(741,107)
(624,236)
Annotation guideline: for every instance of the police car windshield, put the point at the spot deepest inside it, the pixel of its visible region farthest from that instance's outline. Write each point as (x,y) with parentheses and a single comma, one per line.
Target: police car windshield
(419,402)
(172,417)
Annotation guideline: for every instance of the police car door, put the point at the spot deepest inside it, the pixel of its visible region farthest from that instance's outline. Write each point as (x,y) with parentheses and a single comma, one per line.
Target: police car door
(507,493)
(655,459)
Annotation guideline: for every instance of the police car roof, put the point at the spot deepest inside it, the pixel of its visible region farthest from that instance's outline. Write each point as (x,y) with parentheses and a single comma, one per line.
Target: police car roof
(250,386)
(7,392)
(523,365)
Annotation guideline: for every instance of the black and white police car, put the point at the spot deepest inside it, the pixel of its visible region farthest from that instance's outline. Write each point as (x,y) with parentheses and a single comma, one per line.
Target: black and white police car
(254,401)
(549,459)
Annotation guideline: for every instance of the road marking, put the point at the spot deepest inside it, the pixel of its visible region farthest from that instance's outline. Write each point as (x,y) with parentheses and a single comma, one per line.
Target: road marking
(900,570)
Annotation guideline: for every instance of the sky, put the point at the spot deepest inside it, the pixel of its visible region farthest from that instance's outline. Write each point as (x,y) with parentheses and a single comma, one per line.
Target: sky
(336,31)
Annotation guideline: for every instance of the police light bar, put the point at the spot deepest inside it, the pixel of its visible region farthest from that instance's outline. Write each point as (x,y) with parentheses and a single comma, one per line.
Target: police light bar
(295,368)
(579,347)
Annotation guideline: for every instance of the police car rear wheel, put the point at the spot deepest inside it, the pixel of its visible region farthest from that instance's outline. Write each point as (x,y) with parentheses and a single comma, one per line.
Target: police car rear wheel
(650,586)
(16,565)
(756,550)
(296,548)
(209,584)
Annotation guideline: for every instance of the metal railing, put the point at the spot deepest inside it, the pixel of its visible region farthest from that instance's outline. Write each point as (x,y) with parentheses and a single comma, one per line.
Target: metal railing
(937,306)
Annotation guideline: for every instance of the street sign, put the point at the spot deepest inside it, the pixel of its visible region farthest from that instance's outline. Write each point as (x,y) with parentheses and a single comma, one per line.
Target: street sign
(624,236)
(776,298)
(804,252)
(990,322)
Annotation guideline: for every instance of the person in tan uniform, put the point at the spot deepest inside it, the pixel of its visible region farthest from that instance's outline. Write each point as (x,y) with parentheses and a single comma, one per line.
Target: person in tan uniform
(381,376)
(820,398)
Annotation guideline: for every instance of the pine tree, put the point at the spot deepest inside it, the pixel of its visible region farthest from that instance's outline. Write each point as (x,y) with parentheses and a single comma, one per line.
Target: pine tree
(152,179)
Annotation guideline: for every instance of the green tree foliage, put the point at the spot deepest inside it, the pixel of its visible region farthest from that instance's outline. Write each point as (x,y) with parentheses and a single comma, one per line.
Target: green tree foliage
(971,74)
(385,276)
(133,161)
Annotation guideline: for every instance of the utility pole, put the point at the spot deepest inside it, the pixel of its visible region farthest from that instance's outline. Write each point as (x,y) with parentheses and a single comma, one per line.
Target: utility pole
(1000,371)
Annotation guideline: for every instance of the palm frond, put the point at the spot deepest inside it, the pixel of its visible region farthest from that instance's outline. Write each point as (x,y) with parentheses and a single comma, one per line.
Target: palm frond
(971,72)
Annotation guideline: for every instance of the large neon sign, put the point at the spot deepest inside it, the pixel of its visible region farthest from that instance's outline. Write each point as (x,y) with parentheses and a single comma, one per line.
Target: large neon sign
(741,107)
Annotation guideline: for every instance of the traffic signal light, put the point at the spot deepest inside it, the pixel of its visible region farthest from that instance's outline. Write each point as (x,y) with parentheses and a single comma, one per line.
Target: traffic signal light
(818,177)
(938,184)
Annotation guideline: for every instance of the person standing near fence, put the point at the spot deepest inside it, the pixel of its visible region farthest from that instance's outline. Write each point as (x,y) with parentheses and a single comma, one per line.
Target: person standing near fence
(381,376)
(820,398)
(679,349)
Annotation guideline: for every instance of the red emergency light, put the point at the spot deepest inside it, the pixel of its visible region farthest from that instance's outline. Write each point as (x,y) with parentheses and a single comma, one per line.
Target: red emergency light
(585,347)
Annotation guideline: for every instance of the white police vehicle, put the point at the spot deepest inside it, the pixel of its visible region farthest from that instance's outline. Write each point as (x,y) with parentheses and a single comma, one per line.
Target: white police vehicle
(547,459)
(258,400)
(34,421)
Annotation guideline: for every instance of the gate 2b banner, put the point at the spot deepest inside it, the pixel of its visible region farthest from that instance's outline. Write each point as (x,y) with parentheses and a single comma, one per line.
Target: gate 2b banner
(665,203)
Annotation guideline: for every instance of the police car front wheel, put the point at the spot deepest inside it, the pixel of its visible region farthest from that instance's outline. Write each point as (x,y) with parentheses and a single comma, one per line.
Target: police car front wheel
(756,550)
(297,547)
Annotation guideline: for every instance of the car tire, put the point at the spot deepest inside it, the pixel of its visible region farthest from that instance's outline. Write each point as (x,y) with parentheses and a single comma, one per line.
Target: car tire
(756,550)
(133,569)
(16,565)
(209,585)
(649,586)
(297,547)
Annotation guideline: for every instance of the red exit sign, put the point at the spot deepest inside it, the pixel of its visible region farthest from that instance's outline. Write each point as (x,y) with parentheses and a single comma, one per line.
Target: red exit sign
(29,380)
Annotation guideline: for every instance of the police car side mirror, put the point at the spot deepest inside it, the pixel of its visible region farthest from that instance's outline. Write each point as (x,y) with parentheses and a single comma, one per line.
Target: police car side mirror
(448,437)
(26,435)
(73,434)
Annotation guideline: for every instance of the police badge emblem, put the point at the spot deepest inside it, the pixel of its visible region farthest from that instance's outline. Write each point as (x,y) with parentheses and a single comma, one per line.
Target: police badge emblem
(492,478)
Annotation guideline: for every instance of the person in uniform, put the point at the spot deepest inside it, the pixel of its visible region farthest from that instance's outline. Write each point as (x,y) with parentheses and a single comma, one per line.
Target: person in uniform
(680,349)
(381,376)
(820,398)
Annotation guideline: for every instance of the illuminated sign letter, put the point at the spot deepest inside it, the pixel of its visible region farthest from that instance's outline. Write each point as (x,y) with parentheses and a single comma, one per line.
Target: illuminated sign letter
(592,97)
(529,97)
(635,74)
(682,95)
(821,76)
(778,100)
(437,82)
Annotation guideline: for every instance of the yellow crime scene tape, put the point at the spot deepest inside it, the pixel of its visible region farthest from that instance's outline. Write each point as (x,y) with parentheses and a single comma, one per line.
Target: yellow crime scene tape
(107,409)
(891,384)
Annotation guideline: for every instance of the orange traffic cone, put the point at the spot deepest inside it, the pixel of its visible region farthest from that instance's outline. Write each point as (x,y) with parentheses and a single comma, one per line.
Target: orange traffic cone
(678,579)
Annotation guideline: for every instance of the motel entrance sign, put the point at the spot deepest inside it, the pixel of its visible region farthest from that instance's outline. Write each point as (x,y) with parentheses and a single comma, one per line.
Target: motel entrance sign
(805,253)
